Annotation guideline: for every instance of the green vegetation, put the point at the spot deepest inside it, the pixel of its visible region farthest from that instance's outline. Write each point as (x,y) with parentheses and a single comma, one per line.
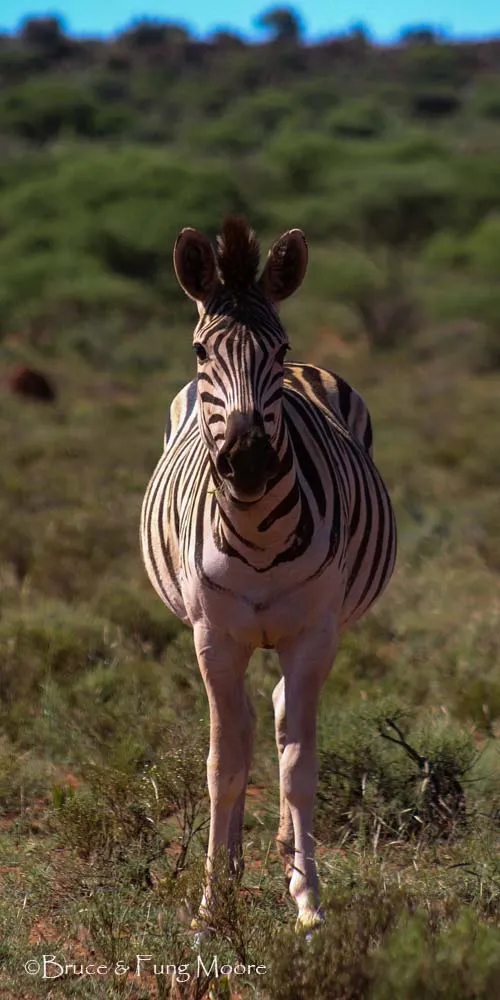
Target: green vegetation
(390,161)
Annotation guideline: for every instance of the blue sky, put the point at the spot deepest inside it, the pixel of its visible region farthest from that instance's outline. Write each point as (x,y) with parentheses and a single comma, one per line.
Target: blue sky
(384,18)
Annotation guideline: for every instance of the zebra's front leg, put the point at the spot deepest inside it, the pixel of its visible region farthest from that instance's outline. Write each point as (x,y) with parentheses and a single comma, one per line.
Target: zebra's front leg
(285,838)
(235,842)
(306,661)
(222,663)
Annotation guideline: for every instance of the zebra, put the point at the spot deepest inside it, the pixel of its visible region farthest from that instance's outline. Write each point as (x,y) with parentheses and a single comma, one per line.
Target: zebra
(265,525)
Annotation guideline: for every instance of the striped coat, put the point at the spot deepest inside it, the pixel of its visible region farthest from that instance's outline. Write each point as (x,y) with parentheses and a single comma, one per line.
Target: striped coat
(265,524)
(183,521)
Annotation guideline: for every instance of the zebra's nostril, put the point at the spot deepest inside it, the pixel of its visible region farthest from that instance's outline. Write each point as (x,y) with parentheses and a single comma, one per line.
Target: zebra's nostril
(223,465)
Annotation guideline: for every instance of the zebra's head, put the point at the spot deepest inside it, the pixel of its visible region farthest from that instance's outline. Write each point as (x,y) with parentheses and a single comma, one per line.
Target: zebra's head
(240,345)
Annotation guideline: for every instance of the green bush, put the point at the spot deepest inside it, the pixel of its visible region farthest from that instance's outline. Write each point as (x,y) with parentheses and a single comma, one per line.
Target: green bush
(484,248)
(139,613)
(434,102)
(435,63)
(446,249)
(124,806)
(377,783)
(336,963)
(415,963)
(78,240)
(315,98)
(401,205)
(302,165)
(46,37)
(458,346)
(474,299)
(485,99)
(47,108)
(477,185)
(22,777)
(358,119)
(54,640)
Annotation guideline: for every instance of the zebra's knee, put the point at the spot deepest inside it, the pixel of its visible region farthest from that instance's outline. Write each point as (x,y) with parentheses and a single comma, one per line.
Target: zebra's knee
(297,774)
(225,783)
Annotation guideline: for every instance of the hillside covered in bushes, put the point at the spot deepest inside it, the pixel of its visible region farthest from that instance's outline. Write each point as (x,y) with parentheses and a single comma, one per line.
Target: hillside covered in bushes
(387,156)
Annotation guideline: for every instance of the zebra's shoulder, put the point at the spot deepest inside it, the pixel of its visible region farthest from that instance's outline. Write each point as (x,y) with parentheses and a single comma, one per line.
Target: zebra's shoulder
(331,392)
(182,408)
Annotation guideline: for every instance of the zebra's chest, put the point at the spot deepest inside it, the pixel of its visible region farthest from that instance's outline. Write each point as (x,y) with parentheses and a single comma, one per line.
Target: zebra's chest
(259,604)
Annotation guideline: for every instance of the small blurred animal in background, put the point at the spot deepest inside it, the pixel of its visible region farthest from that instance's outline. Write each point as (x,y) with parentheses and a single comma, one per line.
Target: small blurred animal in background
(33,384)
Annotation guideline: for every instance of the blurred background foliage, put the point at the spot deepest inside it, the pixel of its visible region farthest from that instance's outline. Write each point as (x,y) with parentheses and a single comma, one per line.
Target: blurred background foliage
(387,155)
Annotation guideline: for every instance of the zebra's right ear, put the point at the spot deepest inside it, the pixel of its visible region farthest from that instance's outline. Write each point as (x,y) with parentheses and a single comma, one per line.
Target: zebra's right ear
(194,264)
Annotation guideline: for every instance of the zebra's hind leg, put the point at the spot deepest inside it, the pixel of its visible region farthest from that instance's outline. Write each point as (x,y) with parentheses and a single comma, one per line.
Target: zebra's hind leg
(306,661)
(285,839)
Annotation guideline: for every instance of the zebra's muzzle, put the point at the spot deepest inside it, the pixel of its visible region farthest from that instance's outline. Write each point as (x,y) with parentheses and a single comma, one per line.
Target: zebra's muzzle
(248,462)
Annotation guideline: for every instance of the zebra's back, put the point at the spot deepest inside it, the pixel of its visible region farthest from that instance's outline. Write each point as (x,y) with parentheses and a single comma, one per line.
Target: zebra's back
(369,523)
(327,389)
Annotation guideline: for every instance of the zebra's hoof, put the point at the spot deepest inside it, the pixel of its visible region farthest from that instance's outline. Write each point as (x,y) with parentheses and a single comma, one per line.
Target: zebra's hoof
(309,922)
(201,933)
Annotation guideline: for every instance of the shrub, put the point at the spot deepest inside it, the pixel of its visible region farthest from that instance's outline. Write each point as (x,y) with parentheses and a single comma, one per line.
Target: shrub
(401,205)
(376,783)
(138,613)
(42,110)
(89,296)
(283,23)
(431,64)
(446,249)
(477,188)
(146,33)
(458,346)
(433,102)
(414,963)
(421,35)
(359,118)
(314,98)
(483,248)
(22,776)
(125,808)
(46,37)
(302,162)
(379,296)
(474,300)
(485,99)
(81,238)
(51,640)
(335,963)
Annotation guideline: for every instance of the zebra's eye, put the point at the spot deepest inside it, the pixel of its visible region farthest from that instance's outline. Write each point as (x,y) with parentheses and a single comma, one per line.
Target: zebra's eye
(280,355)
(200,352)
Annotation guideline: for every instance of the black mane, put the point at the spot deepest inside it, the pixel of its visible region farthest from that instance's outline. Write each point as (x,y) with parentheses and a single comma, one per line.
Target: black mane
(238,256)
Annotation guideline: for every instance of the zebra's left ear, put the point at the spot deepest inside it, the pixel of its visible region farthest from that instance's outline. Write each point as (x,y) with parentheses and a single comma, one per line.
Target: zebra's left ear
(194,264)
(285,267)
